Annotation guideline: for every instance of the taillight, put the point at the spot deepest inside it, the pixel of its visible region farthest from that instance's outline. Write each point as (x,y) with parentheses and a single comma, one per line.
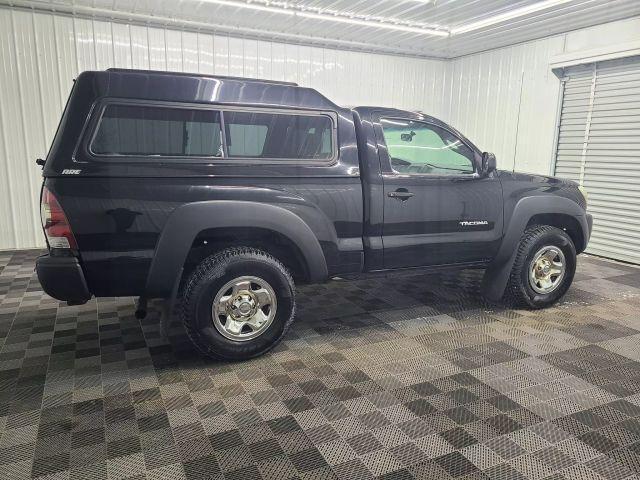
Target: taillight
(55,223)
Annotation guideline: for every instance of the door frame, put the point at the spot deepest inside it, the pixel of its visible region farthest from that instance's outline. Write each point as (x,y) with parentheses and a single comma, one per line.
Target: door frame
(388,175)
(385,164)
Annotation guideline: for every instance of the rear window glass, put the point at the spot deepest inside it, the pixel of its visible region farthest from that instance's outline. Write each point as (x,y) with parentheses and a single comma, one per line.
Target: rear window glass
(278,135)
(138,130)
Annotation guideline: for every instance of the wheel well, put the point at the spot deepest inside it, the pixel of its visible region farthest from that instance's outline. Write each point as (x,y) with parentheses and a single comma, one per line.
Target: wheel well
(212,240)
(565,222)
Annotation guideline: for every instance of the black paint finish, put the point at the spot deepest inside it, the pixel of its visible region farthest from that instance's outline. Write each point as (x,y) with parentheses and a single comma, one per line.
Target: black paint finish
(134,218)
(428,228)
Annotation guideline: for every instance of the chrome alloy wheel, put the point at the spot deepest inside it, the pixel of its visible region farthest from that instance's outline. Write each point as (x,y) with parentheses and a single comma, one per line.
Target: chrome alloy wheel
(244,308)
(547,269)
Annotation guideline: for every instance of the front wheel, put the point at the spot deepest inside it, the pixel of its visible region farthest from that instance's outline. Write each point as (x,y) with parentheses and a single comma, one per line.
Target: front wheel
(238,304)
(543,269)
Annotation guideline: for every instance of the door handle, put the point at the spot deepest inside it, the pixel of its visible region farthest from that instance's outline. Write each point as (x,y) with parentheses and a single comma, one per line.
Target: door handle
(401,194)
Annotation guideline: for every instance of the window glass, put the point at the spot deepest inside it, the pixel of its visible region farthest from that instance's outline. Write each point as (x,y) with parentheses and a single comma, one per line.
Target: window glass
(245,140)
(417,147)
(278,135)
(158,131)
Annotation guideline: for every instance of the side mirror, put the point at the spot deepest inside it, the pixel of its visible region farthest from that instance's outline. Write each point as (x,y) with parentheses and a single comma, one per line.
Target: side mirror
(488,163)
(407,137)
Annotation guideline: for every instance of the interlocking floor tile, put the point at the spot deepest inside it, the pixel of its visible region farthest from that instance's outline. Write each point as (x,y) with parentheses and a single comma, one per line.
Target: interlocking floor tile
(397,378)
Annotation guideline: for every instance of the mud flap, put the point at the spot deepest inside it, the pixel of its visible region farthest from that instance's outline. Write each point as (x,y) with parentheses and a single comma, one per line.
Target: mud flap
(495,279)
(168,307)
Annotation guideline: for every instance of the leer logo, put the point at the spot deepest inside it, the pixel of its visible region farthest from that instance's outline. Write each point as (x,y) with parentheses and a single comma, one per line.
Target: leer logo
(70,171)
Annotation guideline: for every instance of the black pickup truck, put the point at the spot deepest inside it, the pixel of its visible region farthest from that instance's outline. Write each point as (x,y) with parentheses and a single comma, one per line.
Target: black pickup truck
(217,193)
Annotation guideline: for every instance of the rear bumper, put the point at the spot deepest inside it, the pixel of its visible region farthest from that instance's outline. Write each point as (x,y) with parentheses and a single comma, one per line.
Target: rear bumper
(62,278)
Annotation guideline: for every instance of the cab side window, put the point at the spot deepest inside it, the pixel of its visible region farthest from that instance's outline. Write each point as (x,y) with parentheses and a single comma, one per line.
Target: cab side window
(421,148)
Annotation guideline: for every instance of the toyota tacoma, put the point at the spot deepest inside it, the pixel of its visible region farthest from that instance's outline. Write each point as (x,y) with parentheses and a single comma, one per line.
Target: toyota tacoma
(219,194)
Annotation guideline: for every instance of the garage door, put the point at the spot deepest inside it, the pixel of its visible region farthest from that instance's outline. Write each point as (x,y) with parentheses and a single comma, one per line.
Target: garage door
(599,147)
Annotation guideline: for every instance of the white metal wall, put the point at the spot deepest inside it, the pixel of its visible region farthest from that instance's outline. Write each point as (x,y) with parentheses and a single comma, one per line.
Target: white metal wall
(41,53)
(506,101)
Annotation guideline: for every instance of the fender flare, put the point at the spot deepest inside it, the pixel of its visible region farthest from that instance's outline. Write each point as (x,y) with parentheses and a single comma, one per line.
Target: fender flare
(186,221)
(497,273)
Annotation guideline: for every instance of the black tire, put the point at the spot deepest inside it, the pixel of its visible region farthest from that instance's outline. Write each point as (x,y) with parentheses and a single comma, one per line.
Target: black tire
(519,291)
(210,276)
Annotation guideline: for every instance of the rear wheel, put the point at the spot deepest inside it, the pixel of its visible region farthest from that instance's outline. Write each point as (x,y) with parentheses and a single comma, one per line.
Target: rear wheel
(543,269)
(238,304)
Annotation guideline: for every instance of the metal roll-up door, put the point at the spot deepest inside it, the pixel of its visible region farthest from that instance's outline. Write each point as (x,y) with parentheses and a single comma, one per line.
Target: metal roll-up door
(576,107)
(599,147)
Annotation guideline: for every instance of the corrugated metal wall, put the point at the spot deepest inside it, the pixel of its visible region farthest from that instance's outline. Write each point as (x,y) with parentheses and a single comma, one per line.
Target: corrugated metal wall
(41,53)
(506,101)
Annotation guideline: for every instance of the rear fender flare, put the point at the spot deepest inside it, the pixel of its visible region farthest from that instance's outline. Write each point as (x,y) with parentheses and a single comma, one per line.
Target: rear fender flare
(184,224)
(497,274)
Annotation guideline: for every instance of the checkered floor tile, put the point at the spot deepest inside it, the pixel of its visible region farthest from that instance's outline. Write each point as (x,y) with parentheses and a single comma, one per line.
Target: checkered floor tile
(397,378)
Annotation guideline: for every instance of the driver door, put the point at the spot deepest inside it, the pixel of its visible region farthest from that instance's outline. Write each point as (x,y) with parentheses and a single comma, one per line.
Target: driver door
(438,208)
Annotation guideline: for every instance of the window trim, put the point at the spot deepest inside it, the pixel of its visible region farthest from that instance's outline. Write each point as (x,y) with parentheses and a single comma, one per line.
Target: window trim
(394,174)
(97,120)
(99,107)
(323,162)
